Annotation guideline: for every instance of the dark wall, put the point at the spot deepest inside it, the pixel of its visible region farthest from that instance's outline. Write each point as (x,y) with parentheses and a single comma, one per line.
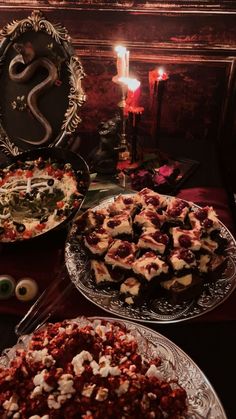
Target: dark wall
(195,41)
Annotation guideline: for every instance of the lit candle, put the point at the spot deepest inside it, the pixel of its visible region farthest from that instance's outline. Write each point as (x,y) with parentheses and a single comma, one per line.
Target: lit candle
(133,94)
(122,62)
(161,75)
(133,110)
(157,81)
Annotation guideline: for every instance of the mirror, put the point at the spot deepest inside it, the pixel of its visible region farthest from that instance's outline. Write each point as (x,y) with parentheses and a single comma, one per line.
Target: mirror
(40,84)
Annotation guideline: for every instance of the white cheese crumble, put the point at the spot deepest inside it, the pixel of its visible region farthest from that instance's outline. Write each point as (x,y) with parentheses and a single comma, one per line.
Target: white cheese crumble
(154,372)
(41,356)
(102,394)
(11,405)
(123,388)
(40,384)
(65,384)
(88,390)
(78,361)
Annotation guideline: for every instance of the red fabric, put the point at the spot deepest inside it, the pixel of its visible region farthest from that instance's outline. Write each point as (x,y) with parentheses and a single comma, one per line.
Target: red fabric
(42,261)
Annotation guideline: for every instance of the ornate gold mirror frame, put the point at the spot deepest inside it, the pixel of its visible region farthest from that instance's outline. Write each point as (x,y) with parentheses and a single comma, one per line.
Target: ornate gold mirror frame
(13,36)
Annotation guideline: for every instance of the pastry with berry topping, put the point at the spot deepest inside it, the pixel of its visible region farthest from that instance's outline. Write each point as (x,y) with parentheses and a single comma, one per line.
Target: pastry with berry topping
(121,254)
(97,241)
(204,219)
(95,218)
(153,239)
(150,266)
(189,239)
(103,276)
(119,225)
(146,197)
(123,204)
(177,210)
(182,261)
(149,218)
(182,288)
(131,291)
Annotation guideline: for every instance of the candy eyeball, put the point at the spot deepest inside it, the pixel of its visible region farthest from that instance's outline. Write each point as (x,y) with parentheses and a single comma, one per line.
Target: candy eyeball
(7,286)
(26,289)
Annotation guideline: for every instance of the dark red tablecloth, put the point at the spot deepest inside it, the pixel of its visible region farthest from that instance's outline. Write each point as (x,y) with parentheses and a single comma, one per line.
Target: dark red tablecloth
(41,261)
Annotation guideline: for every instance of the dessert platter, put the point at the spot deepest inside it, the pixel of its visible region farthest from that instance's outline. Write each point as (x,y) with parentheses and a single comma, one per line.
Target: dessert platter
(151,257)
(102,368)
(39,191)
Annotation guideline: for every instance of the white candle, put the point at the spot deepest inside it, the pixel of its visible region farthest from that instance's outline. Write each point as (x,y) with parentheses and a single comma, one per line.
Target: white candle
(122,62)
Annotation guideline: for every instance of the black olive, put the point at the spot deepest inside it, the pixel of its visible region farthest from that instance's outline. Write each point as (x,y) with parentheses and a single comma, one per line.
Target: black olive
(79,174)
(59,212)
(44,219)
(1,230)
(29,196)
(50,182)
(66,212)
(20,227)
(41,165)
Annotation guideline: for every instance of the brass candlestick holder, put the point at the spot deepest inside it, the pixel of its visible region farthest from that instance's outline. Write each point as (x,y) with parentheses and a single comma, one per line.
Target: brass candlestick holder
(124,153)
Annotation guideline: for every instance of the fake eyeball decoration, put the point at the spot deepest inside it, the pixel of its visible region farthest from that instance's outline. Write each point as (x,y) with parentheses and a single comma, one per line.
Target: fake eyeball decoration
(7,286)
(26,289)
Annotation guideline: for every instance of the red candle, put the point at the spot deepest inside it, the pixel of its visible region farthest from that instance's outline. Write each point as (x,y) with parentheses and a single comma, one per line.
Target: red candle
(157,81)
(133,92)
(133,95)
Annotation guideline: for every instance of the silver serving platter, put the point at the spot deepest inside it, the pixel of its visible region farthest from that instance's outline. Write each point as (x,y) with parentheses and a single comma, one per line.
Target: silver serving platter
(202,398)
(158,310)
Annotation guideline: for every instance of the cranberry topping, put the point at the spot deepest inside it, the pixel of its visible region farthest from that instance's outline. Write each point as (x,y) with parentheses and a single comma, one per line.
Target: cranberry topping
(186,255)
(181,205)
(113,223)
(153,218)
(207,223)
(151,266)
(201,214)
(128,201)
(100,230)
(175,212)
(123,250)
(99,217)
(185,240)
(160,237)
(177,209)
(92,239)
(152,200)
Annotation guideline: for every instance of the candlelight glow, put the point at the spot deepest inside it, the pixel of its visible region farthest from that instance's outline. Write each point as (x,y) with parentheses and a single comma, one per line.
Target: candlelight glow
(160,72)
(120,50)
(132,84)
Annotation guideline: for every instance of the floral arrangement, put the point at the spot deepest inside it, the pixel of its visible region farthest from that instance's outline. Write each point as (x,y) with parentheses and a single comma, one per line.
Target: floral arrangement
(163,179)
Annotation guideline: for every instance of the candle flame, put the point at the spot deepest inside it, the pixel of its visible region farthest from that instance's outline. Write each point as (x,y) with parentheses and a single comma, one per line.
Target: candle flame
(121,51)
(132,84)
